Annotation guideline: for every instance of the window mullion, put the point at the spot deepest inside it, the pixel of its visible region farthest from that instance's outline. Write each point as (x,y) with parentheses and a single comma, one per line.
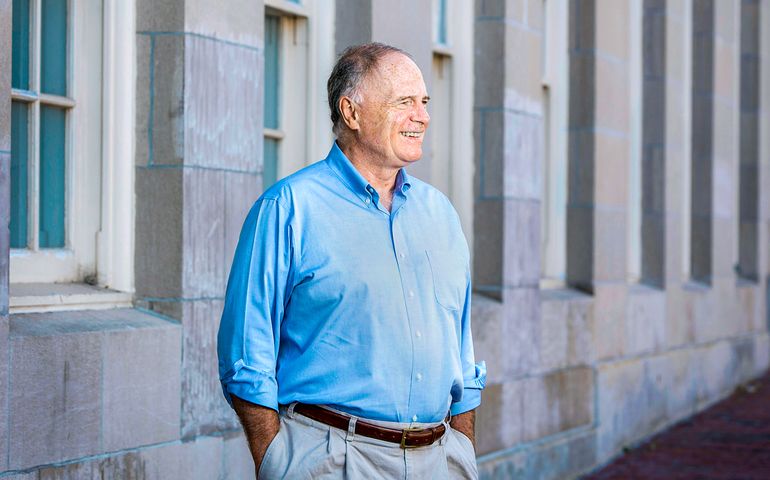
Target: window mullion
(34,129)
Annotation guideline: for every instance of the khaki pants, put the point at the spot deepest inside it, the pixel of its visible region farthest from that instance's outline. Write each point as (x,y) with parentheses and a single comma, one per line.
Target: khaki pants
(307,449)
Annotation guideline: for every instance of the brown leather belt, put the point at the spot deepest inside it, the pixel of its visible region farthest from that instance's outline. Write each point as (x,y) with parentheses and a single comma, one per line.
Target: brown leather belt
(407,438)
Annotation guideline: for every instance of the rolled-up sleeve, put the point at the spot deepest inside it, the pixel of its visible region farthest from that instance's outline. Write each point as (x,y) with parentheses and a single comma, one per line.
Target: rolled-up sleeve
(257,291)
(474,374)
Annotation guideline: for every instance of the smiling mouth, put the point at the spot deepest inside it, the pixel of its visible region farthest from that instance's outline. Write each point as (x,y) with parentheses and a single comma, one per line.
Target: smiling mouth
(412,134)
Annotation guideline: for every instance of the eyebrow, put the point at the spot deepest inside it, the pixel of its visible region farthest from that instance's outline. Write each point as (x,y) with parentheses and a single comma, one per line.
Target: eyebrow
(407,97)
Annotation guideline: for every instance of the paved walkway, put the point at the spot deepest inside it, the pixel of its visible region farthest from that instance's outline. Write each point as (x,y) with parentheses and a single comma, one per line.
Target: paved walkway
(730,440)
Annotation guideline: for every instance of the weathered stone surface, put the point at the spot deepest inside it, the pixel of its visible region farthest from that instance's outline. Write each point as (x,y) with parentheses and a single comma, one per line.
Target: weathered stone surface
(56,398)
(609,318)
(612,23)
(204,409)
(526,44)
(241,191)
(523,156)
(489,37)
(488,339)
(522,243)
(223,96)
(645,320)
(242,22)
(167,114)
(4,377)
(141,385)
(557,459)
(566,326)
(488,246)
(5,75)
(521,330)
(556,402)
(160,16)
(203,230)
(90,381)
(159,218)
(237,462)
(611,170)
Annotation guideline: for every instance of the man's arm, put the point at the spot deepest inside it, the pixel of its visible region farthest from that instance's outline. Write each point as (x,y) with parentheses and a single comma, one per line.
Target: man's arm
(465,423)
(261,425)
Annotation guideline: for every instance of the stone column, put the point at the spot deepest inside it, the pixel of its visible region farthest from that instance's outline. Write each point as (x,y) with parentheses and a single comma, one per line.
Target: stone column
(598,163)
(198,170)
(508,132)
(726,152)
(5,206)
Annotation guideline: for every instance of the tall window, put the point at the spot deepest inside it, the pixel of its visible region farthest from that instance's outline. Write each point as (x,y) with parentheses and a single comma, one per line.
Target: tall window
(451,111)
(39,112)
(273,133)
(55,139)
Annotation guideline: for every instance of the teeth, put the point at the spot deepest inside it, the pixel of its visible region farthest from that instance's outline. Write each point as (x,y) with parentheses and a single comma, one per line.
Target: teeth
(411,134)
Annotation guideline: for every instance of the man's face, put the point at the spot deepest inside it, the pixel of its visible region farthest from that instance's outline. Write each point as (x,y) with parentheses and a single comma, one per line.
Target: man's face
(393,111)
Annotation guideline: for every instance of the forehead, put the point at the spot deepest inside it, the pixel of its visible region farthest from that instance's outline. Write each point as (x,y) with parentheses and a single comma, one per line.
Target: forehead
(396,75)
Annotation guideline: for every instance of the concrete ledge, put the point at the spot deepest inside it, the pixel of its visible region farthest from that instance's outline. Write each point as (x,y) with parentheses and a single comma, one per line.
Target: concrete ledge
(223,457)
(556,458)
(86,382)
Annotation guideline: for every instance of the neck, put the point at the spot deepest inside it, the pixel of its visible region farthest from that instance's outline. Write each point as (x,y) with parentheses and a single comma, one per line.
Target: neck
(373,169)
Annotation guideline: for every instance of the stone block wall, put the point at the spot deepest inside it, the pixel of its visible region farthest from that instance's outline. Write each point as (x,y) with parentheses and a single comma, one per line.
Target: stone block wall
(575,373)
(578,373)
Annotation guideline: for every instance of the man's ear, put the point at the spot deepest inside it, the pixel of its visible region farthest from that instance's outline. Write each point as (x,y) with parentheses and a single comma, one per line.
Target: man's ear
(350,114)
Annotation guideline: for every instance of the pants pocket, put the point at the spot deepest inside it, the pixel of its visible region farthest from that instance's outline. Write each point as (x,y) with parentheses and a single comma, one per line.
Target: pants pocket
(461,457)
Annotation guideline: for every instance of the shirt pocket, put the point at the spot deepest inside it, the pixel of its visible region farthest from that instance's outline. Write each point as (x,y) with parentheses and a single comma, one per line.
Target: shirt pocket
(448,274)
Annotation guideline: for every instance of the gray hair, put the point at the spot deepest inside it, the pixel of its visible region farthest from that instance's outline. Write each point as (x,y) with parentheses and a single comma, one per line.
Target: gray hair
(349,72)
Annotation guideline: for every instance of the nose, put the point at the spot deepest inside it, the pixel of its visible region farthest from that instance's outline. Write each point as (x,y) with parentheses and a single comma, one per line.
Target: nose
(420,114)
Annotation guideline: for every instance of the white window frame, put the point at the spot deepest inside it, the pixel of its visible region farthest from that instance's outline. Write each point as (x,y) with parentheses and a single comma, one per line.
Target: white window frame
(99,137)
(306,57)
(454,174)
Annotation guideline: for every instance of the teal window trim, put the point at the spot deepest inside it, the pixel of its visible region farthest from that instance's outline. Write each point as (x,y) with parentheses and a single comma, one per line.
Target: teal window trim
(272,99)
(38,215)
(441,22)
(19,175)
(20,40)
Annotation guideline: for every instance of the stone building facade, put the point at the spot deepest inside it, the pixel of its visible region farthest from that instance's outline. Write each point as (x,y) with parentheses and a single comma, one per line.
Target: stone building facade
(609,159)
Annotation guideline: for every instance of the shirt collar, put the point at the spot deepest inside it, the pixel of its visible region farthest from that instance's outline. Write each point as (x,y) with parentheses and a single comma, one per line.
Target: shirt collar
(341,165)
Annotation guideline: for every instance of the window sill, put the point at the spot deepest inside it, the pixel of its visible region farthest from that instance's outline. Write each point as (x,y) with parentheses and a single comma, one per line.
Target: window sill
(58,297)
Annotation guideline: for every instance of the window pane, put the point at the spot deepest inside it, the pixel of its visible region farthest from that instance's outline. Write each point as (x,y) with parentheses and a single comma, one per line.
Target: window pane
(54,47)
(20,39)
(19,147)
(272,38)
(441,19)
(270,166)
(52,130)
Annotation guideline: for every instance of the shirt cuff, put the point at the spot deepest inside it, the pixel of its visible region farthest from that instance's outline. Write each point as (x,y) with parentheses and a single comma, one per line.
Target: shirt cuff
(472,390)
(251,385)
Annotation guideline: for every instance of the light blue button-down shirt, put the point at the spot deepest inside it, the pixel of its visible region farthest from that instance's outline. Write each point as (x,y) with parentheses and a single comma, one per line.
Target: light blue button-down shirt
(333,300)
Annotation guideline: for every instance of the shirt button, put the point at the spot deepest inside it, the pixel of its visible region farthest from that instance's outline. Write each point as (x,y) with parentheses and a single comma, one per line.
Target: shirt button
(411,293)
(418,334)
(419,377)
(414,418)
(366,200)
(402,255)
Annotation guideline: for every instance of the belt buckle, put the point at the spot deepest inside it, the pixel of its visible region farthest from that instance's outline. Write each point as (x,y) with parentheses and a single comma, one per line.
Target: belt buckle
(403,437)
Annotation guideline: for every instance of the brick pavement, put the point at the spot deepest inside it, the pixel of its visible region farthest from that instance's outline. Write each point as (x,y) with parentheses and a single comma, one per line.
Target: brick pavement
(730,440)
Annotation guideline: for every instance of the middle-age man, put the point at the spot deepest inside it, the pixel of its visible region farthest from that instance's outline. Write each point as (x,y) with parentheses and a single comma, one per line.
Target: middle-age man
(345,343)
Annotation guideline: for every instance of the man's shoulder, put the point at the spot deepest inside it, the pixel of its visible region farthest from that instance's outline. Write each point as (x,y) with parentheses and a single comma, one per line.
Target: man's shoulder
(430,195)
(286,189)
